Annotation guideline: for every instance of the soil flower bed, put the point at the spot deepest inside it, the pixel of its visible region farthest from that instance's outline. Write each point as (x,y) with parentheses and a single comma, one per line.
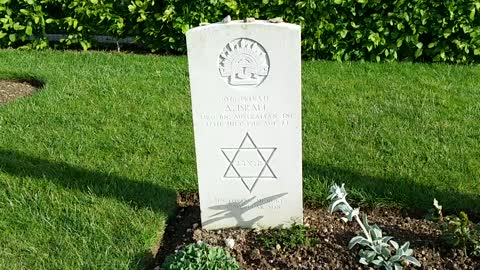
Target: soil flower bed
(330,235)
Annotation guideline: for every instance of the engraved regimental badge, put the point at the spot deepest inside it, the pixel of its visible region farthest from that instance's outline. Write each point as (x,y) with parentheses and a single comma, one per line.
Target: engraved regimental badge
(244,62)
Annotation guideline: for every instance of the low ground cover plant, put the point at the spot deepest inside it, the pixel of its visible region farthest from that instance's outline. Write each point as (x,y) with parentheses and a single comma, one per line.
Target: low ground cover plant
(200,256)
(459,231)
(375,249)
(288,237)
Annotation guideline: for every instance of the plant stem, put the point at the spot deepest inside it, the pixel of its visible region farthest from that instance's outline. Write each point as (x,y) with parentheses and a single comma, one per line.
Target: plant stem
(367,234)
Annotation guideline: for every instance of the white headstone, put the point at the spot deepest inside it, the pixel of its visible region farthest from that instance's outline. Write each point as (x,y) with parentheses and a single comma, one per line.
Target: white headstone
(245,81)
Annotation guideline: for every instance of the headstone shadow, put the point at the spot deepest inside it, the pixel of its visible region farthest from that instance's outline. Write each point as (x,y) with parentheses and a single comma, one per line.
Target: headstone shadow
(138,194)
(237,210)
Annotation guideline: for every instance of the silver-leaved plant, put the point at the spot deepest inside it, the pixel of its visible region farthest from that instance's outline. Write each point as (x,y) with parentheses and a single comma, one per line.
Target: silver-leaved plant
(376,249)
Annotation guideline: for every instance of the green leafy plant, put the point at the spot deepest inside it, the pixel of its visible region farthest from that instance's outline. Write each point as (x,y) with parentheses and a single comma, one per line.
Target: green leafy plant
(459,231)
(288,237)
(376,249)
(200,256)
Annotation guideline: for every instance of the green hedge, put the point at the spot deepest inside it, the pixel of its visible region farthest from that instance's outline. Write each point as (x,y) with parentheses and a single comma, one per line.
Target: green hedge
(371,30)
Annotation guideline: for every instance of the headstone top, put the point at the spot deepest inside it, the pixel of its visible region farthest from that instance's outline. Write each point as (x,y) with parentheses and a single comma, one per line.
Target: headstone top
(271,23)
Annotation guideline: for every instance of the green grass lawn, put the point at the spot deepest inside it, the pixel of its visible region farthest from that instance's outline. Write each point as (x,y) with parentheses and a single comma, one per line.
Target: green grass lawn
(90,166)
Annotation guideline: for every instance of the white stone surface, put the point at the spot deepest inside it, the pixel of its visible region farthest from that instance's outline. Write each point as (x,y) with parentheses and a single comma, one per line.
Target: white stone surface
(245,81)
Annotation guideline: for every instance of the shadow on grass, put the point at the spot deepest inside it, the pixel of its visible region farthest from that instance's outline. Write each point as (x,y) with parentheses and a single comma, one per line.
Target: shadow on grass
(34,81)
(137,194)
(392,191)
(142,261)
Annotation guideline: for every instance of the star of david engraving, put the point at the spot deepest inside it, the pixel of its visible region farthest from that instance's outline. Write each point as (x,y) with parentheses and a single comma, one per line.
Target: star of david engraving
(249,163)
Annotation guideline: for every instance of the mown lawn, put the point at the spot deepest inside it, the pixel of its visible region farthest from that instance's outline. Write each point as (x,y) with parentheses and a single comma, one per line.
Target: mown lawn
(90,166)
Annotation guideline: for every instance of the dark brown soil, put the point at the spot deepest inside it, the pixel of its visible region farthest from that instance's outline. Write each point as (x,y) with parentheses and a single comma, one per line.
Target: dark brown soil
(330,252)
(10,90)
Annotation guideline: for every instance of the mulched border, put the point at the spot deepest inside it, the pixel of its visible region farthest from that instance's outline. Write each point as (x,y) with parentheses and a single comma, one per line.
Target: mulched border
(330,252)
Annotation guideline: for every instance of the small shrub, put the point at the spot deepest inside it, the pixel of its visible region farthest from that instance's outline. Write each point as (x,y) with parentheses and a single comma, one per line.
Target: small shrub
(288,238)
(376,249)
(200,256)
(459,231)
